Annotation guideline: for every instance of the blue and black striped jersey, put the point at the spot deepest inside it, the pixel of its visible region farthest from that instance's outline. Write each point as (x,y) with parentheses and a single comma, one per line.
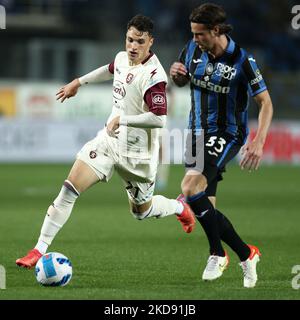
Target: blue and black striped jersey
(219,88)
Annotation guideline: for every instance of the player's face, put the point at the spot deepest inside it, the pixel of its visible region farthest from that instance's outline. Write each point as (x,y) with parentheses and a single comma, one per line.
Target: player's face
(204,37)
(138,45)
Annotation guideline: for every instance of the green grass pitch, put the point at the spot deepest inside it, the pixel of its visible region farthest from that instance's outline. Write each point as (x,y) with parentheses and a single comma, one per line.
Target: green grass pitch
(115,256)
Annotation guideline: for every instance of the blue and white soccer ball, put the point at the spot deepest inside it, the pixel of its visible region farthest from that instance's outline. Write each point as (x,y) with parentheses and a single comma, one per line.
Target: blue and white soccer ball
(53,269)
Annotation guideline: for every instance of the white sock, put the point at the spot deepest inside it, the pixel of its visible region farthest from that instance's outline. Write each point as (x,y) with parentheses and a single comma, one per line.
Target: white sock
(57,215)
(180,208)
(162,207)
(41,246)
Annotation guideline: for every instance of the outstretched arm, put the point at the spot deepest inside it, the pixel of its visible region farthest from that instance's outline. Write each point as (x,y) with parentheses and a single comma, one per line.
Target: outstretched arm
(252,151)
(101,74)
(68,91)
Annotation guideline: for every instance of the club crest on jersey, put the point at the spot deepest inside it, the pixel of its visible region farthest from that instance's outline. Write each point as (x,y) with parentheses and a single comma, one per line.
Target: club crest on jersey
(209,68)
(93,154)
(158,98)
(129,78)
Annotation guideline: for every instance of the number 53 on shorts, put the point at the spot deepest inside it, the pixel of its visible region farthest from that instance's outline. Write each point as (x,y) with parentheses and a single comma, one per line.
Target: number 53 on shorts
(216,145)
(220,149)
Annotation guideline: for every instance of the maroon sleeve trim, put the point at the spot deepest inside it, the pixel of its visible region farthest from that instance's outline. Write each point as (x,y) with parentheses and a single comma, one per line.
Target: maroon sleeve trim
(111,67)
(156,99)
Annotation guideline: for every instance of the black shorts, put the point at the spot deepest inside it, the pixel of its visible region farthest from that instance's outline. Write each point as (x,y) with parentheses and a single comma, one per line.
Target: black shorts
(209,155)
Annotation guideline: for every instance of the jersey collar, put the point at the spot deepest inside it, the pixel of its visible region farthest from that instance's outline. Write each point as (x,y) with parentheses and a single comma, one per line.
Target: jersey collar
(228,50)
(150,55)
(231,45)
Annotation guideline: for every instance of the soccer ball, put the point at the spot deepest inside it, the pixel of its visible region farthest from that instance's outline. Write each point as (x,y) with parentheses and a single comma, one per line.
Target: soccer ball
(53,269)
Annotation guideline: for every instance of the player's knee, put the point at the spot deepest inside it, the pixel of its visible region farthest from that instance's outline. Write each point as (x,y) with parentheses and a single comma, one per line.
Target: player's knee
(70,188)
(187,188)
(140,211)
(139,215)
(65,200)
(193,185)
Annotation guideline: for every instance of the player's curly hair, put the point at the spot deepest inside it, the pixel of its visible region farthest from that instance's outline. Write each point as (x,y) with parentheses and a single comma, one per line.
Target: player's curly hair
(211,15)
(141,23)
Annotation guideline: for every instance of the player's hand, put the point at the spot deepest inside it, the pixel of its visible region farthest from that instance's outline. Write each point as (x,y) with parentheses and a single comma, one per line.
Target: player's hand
(177,68)
(68,90)
(252,153)
(113,126)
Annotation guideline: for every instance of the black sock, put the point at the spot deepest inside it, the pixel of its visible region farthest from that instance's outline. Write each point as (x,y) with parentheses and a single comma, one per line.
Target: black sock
(230,237)
(205,214)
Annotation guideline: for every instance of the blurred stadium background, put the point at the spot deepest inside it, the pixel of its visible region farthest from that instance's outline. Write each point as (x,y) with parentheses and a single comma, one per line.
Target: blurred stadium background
(48,43)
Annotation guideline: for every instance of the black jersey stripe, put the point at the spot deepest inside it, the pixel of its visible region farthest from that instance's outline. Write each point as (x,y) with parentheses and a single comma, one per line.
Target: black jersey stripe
(222,98)
(204,108)
(203,103)
(222,106)
(250,74)
(182,55)
(193,114)
(196,54)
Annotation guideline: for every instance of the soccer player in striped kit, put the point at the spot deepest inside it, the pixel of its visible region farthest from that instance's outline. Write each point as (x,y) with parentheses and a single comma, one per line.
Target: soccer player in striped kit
(220,74)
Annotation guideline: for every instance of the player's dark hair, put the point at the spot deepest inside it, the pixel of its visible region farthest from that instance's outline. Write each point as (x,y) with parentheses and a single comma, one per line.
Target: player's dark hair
(141,23)
(211,15)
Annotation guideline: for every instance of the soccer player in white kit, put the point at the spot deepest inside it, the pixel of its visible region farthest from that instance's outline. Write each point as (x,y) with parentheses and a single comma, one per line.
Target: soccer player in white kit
(128,144)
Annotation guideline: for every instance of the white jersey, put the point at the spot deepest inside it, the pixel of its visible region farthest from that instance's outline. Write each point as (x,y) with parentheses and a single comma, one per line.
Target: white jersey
(129,87)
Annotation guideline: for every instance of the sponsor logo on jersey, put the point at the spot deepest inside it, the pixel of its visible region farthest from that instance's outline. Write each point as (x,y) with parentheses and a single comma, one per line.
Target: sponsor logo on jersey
(197,60)
(256,80)
(225,71)
(153,73)
(129,78)
(210,86)
(158,98)
(119,91)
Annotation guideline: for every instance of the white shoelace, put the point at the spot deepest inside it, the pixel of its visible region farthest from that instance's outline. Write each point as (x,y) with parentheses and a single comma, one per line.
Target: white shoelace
(246,270)
(212,263)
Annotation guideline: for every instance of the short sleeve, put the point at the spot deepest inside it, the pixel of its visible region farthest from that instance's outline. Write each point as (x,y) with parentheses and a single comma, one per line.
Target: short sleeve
(254,78)
(155,98)
(151,76)
(111,67)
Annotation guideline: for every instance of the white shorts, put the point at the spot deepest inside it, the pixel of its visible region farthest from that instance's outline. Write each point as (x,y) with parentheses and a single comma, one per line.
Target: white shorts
(138,175)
